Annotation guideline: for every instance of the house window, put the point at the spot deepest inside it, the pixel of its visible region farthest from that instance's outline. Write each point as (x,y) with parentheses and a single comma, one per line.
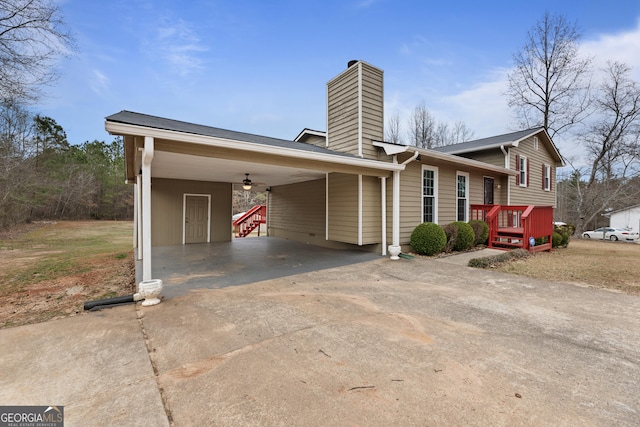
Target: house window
(462,196)
(522,164)
(546,177)
(429,194)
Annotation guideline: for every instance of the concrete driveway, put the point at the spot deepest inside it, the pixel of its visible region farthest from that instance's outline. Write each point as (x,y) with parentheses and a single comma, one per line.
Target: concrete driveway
(410,342)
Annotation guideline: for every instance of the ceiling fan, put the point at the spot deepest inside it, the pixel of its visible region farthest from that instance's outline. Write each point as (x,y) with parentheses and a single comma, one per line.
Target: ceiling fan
(248,184)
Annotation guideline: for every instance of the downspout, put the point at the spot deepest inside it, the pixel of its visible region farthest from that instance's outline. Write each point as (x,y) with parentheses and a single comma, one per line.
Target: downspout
(359,210)
(383,198)
(507,165)
(137,218)
(394,248)
(148,287)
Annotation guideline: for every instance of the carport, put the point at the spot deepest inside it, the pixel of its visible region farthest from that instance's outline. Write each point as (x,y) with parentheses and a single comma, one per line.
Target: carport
(183,268)
(176,154)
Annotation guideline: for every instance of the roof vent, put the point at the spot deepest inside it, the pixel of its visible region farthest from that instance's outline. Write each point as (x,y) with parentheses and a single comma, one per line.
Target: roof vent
(352,62)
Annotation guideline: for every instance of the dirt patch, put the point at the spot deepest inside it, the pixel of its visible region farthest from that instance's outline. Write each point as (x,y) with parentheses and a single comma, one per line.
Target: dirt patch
(48,270)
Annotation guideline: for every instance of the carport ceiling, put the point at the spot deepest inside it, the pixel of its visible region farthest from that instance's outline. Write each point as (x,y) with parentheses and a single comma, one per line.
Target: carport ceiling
(198,168)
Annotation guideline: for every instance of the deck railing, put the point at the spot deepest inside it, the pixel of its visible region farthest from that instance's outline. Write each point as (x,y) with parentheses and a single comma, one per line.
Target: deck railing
(509,224)
(251,220)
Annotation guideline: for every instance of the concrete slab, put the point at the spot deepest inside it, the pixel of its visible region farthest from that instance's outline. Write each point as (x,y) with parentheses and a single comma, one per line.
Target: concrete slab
(399,343)
(96,366)
(241,261)
(408,342)
(463,258)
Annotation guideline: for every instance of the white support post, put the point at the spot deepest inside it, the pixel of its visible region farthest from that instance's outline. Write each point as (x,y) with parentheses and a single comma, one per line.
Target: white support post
(383,198)
(147,157)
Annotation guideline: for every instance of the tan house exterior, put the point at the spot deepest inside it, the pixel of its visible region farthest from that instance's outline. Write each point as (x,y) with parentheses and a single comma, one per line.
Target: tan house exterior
(341,188)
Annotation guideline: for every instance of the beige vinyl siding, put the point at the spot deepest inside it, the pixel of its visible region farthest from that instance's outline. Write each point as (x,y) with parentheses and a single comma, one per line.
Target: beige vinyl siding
(342,114)
(372,110)
(410,200)
(298,210)
(167,209)
(533,194)
(493,157)
(343,208)
(318,141)
(371,210)
(344,94)
(411,196)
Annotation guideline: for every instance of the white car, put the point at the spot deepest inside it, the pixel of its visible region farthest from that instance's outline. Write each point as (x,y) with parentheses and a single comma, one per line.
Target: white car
(612,234)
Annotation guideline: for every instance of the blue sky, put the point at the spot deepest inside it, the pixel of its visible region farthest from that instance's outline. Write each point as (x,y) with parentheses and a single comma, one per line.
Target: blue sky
(262,66)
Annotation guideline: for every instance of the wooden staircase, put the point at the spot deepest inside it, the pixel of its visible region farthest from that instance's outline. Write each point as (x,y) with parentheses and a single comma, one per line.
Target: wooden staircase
(512,227)
(251,220)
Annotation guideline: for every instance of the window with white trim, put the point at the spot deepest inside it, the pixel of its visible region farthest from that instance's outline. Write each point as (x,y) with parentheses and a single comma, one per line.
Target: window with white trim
(429,194)
(462,196)
(523,169)
(546,177)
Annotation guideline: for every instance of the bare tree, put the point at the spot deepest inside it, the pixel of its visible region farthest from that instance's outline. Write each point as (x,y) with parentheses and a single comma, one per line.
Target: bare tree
(549,85)
(422,127)
(392,132)
(32,36)
(460,133)
(613,145)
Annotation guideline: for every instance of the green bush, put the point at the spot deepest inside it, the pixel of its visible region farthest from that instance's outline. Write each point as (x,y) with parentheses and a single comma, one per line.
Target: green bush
(428,239)
(451,231)
(556,239)
(496,260)
(565,231)
(480,230)
(465,237)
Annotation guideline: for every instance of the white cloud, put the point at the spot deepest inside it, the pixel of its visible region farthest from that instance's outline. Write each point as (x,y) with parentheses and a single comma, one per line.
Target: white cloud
(99,83)
(622,47)
(483,107)
(179,45)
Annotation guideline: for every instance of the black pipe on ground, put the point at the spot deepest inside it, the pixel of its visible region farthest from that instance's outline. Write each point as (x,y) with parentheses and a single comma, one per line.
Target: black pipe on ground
(108,302)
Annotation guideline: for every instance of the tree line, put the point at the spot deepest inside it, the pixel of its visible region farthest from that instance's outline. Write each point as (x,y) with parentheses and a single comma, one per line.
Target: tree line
(42,176)
(551,84)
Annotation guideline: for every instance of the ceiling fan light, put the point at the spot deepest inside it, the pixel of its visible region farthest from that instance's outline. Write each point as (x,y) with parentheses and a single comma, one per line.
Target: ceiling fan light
(246,183)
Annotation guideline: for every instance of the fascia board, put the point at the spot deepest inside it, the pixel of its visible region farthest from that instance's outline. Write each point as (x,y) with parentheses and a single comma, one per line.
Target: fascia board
(116,128)
(464,161)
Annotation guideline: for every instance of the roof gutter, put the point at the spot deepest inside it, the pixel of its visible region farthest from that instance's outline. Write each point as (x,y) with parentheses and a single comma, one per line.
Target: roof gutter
(116,128)
(392,149)
(411,159)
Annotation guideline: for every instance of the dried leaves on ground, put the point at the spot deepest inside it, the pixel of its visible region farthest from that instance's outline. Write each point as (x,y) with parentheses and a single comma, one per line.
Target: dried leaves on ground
(594,263)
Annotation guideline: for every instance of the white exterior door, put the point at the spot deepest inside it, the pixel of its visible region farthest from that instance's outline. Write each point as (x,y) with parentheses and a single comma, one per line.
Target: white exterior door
(196,219)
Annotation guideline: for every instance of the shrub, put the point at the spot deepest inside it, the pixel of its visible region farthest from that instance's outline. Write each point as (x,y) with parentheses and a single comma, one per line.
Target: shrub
(480,230)
(451,231)
(565,231)
(495,260)
(556,239)
(428,239)
(465,237)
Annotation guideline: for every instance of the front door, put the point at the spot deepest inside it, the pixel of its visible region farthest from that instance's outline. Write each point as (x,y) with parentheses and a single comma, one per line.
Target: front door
(196,219)
(488,191)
